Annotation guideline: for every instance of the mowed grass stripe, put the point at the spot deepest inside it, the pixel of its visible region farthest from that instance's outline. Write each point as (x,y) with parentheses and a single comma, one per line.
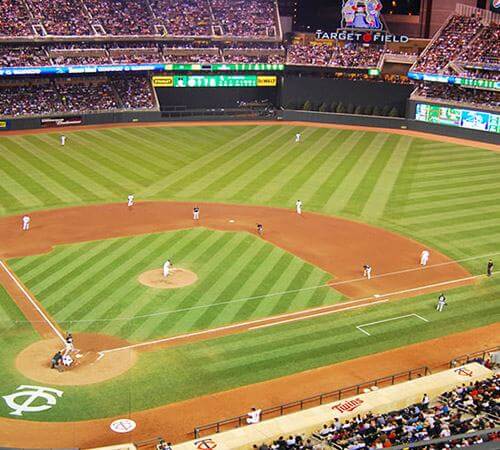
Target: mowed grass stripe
(377,200)
(454,190)
(455,184)
(438,217)
(106,150)
(249,182)
(353,174)
(75,154)
(263,186)
(13,194)
(221,176)
(80,183)
(13,160)
(199,167)
(291,183)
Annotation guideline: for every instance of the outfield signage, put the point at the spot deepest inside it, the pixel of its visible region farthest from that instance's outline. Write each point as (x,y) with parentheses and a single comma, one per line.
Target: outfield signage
(62,70)
(477,83)
(214,81)
(4,125)
(457,117)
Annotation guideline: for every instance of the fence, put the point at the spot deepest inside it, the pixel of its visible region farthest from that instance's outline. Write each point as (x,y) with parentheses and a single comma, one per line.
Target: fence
(464,359)
(317,400)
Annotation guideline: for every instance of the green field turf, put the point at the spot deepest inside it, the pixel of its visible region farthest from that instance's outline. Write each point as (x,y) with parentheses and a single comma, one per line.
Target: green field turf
(445,195)
(93,286)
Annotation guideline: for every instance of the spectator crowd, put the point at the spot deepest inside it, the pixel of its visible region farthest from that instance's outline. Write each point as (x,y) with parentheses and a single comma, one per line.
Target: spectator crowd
(467,408)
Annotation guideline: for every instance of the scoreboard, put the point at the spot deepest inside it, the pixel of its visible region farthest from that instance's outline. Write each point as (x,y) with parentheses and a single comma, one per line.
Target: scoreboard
(214,81)
(216,91)
(464,118)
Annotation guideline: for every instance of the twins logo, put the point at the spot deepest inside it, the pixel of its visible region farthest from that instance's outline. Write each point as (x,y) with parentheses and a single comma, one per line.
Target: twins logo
(362,14)
(32,395)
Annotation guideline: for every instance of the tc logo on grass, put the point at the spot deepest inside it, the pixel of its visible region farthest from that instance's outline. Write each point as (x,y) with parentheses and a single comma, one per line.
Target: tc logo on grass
(37,398)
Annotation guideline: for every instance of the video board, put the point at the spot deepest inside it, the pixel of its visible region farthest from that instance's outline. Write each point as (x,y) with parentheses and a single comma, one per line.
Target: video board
(457,117)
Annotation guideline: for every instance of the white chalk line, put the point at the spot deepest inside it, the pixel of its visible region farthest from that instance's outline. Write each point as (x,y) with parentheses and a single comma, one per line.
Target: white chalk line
(289,317)
(360,327)
(33,302)
(274,294)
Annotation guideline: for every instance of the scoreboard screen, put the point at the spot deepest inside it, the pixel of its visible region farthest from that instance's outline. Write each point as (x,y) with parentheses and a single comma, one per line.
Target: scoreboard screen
(464,118)
(214,81)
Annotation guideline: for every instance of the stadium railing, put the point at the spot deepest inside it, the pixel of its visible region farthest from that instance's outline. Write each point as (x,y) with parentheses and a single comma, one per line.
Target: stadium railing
(464,359)
(310,402)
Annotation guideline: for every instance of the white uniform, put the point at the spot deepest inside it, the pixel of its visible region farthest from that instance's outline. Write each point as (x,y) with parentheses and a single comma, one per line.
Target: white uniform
(166,268)
(367,271)
(424,258)
(26,223)
(130,201)
(298,206)
(196,213)
(441,303)
(67,360)
(63,140)
(297,137)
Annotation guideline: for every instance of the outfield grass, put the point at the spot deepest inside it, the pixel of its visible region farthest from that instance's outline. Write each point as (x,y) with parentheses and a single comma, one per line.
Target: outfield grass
(93,286)
(438,193)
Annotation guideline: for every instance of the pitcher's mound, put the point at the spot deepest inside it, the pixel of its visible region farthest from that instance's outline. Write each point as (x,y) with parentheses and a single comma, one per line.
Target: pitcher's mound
(176,279)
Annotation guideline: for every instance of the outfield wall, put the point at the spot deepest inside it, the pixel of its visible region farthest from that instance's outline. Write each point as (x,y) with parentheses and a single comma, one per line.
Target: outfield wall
(20,124)
(310,420)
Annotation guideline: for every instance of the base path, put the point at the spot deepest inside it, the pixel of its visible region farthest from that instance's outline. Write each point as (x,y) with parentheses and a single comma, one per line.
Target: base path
(177,421)
(338,246)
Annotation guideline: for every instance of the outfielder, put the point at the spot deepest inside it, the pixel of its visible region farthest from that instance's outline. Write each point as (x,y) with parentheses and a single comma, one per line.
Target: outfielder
(167,268)
(489,268)
(441,303)
(298,207)
(424,257)
(367,271)
(297,137)
(130,201)
(63,140)
(26,223)
(196,213)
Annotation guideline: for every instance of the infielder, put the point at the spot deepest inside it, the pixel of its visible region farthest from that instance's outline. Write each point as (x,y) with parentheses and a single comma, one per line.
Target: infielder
(489,268)
(260,229)
(424,257)
(26,223)
(367,271)
(196,213)
(297,137)
(298,207)
(166,268)
(63,140)
(441,303)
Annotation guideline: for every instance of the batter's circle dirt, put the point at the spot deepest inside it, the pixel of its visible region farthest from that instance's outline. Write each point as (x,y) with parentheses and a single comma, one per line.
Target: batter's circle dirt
(177,278)
(89,368)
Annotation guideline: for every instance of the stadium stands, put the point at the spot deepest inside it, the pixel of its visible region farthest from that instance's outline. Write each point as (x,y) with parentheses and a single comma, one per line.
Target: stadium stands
(454,94)
(467,408)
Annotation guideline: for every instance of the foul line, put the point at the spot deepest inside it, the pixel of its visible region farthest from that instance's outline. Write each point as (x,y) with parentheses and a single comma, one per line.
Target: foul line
(290,317)
(32,301)
(360,327)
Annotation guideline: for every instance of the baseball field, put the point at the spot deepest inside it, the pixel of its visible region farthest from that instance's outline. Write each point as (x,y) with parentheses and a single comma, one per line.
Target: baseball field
(257,307)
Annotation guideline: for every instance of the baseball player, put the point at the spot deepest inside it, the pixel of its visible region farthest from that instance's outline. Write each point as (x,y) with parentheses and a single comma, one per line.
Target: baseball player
(196,213)
(367,271)
(254,416)
(424,257)
(63,140)
(130,201)
(69,344)
(441,303)
(298,207)
(67,360)
(297,137)
(489,268)
(260,229)
(167,268)
(26,223)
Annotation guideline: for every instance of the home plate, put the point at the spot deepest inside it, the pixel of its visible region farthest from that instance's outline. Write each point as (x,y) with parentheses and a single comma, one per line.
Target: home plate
(231,221)
(377,295)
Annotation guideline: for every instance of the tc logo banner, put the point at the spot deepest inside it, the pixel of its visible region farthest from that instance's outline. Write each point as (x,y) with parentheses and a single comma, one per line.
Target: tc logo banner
(32,394)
